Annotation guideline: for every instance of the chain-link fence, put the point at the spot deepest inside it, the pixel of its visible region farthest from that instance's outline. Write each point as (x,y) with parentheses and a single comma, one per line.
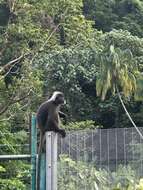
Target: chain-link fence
(18,158)
(105,148)
(86,156)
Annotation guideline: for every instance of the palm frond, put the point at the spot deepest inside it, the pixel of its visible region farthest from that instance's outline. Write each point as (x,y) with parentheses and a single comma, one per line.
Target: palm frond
(117,67)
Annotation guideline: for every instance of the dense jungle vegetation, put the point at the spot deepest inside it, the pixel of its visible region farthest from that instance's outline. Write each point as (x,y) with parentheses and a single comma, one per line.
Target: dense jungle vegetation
(88,49)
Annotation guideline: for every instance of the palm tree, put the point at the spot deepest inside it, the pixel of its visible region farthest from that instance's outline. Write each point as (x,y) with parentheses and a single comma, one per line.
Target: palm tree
(118,70)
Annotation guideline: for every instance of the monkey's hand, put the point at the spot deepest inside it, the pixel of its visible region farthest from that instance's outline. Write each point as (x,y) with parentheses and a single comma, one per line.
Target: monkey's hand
(64,121)
(63,133)
(63,116)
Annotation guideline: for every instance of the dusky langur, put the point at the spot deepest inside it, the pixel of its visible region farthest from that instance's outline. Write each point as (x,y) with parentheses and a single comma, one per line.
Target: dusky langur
(48,119)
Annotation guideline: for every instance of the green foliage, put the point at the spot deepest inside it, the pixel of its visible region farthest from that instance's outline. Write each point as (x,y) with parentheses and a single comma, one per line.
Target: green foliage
(78,174)
(61,49)
(14,175)
(11,184)
(140,185)
(2,169)
(73,174)
(116,14)
(29,28)
(116,68)
(69,70)
(76,27)
(139,89)
(81,125)
(123,40)
(75,70)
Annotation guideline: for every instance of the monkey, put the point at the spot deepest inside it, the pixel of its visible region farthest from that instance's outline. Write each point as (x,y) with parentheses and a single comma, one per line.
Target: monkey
(48,119)
(48,114)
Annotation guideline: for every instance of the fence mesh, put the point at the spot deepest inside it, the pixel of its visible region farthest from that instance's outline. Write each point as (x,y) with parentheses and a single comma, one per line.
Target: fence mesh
(15,173)
(105,148)
(90,151)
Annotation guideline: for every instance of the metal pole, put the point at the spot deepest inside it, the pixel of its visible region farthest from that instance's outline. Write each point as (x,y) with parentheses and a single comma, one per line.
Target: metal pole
(51,161)
(43,172)
(33,152)
(15,157)
(54,161)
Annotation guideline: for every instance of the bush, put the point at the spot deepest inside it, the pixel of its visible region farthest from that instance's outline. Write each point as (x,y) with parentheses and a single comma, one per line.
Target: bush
(80,175)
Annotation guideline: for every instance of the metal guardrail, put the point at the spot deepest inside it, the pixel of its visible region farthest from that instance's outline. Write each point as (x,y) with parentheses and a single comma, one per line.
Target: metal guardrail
(15,157)
(32,156)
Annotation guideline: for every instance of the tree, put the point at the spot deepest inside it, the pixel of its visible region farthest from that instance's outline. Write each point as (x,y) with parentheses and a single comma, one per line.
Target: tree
(28,29)
(117,71)
(116,14)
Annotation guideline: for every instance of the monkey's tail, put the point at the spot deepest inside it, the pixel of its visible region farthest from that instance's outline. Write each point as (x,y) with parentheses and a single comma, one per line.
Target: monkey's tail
(39,161)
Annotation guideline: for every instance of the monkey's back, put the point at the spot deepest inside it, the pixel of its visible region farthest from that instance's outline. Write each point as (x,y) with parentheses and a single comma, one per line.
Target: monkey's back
(42,115)
(47,116)
(53,120)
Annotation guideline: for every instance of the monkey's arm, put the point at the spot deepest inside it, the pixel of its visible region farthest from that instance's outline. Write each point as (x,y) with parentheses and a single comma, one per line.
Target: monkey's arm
(63,115)
(59,130)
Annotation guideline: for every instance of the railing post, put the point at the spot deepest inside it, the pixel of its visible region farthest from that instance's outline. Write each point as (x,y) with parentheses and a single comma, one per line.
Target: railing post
(51,161)
(33,152)
(43,172)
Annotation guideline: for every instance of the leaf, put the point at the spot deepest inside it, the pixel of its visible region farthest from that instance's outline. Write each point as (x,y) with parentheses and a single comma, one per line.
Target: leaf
(96,186)
(112,49)
(2,169)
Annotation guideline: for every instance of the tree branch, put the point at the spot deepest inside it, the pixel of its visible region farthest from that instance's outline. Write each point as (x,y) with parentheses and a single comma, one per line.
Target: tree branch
(11,102)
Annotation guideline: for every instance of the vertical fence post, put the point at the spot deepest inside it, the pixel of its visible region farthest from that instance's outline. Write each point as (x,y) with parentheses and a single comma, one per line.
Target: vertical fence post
(43,172)
(33,152)
(54,160)
(51,161)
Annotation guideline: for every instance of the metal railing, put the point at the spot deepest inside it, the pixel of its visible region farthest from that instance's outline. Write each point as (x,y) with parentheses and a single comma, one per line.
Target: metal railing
(31,157)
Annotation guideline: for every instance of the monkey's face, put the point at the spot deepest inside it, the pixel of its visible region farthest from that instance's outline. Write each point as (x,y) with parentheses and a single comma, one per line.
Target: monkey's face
(60,100)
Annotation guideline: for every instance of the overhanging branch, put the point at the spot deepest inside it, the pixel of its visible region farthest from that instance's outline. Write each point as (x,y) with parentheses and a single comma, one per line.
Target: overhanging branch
(13,101)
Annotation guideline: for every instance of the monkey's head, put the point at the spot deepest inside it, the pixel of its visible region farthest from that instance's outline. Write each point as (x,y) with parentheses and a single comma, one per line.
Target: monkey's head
(58,98)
